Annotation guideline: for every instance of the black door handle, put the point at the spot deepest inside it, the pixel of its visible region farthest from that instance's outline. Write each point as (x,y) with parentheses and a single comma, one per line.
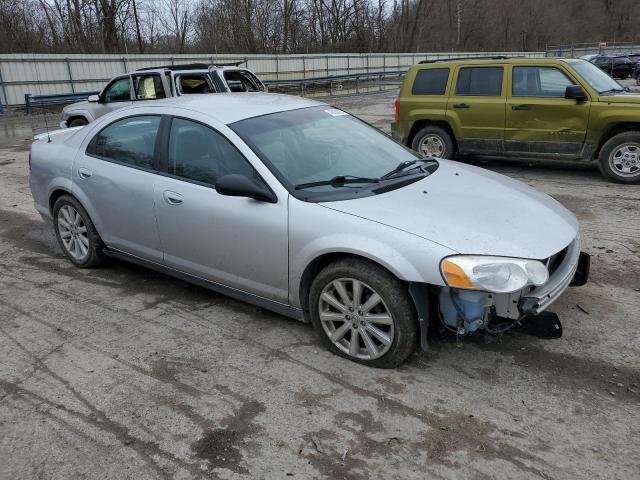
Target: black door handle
(520,107)
(461,105)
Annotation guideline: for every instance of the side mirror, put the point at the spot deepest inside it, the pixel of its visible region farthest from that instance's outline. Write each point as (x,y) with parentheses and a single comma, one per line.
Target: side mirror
(575,92)
(93,98)
(235,185)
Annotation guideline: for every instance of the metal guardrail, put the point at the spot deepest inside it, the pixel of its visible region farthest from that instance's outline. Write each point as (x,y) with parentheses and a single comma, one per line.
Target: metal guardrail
(30,99)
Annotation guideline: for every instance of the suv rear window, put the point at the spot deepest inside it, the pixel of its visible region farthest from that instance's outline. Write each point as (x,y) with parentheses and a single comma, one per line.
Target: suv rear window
(481,81)
(430,81)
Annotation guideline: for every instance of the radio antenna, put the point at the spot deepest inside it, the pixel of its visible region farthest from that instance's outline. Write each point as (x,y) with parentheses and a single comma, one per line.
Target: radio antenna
(46,123)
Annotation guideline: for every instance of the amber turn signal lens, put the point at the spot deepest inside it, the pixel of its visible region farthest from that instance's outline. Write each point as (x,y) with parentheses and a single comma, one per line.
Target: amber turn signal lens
(455,276)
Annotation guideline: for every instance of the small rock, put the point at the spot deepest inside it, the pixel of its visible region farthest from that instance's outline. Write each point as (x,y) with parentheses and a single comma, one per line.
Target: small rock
(619,385)
(204,370)
(127,441)
(613,394)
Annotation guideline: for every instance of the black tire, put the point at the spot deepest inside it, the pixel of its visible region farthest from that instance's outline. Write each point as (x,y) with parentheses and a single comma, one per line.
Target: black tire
(78,122)
(395,299)
(609,149)
(94,256)
(435,132)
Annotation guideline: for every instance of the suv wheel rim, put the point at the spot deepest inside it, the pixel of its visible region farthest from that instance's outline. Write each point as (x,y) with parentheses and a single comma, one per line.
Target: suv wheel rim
(625,160)
(73,233)
(432,145)
(356,319)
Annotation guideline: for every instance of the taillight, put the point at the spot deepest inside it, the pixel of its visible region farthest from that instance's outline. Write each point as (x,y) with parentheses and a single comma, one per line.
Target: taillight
(397,114)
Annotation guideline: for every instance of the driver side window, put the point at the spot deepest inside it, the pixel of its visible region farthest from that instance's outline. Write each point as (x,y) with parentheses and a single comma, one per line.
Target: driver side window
(118,91)
(198,153)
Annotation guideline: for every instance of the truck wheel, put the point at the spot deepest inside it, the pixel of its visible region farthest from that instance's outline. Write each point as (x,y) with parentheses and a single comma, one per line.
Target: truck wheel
(433,141)
(363,313)
(76,234)
(78,122)
(620,158)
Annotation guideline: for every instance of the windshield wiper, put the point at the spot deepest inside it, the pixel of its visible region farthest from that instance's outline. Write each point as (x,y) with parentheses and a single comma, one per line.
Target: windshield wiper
(338,181)
(403,168)
(611,90)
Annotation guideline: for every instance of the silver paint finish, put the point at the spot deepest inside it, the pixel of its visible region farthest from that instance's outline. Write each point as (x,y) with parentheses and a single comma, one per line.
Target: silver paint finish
(263,249)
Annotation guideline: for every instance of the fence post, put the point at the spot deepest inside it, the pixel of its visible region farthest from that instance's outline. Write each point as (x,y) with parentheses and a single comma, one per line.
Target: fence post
(327,59)
(27,103)
(277,68)
(124,64)
(73,89)
(384,62)
(4,91)
(304,68)
(348,64)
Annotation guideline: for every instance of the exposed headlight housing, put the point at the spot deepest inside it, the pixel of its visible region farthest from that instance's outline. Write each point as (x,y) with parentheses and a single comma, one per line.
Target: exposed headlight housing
(492,274)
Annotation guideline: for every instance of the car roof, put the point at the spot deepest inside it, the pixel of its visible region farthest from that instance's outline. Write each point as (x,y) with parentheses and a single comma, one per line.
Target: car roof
(499,60)
(232,107)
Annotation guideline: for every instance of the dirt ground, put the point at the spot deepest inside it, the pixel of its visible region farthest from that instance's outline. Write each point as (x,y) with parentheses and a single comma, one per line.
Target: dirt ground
(123,373)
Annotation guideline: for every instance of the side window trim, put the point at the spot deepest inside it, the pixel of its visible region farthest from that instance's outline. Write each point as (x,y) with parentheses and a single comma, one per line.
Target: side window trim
(156,163)
(457,80)
(164,153)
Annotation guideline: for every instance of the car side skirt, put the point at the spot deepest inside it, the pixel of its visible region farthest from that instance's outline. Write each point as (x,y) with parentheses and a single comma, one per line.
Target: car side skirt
(280,308)
(521,149)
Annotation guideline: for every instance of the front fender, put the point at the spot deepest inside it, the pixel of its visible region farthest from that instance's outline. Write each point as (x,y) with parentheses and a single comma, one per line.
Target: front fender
(315,231)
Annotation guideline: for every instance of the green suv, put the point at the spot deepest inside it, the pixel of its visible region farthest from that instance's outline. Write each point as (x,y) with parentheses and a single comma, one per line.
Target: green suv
(565,109)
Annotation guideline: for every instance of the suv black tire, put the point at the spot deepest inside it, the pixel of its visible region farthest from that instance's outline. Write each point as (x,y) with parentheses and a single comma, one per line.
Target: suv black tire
(435,132)
(632,138)
(395,299)
(94,256)
(78,122)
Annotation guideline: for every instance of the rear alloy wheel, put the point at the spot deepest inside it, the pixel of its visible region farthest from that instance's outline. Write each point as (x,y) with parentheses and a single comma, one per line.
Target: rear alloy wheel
(620,158)
(363,313)
(76,234)
(433,141)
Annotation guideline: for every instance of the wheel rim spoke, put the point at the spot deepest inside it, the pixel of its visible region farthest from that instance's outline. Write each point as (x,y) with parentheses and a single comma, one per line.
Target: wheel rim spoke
(342,291)
(73,232)
(371,302)
(368,343)
(331,300)
(356,319)
(340,332)
(379,334)
(379,318)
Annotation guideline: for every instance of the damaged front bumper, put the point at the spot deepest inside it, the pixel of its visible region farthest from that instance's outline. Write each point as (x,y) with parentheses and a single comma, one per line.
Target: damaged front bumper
(573,271)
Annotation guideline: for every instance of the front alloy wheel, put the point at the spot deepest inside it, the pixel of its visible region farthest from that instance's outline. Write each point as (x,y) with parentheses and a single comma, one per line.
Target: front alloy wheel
(362,312)
(355,319)
(620,157)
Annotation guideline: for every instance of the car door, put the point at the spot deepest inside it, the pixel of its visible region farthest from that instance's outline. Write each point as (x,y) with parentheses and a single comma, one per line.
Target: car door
(234,241)
(115,175)
(117,94)
(476,106)
(539,119)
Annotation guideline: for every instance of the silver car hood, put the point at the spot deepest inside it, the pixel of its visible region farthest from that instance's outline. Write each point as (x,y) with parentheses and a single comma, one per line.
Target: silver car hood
(474,211)
(76,106)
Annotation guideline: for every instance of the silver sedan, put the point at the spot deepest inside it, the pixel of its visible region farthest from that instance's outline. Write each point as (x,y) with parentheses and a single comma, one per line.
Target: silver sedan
(305,210)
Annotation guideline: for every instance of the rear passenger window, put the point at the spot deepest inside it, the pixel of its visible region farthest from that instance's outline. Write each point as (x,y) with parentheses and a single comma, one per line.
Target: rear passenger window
(193,84)
(430,81)
(130,141)
(480,81)
(197,152)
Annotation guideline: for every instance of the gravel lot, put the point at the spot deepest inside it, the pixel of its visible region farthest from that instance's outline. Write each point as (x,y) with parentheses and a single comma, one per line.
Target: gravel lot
(121,372)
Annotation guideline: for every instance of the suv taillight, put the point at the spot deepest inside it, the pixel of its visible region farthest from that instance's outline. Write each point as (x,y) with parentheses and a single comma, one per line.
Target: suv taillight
(397,114)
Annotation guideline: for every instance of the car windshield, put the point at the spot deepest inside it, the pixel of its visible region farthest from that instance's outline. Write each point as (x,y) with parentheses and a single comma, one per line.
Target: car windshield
(318,144)
(596,78)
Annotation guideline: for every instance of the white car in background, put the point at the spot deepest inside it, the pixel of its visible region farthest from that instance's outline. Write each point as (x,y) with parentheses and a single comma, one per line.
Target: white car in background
(161,82)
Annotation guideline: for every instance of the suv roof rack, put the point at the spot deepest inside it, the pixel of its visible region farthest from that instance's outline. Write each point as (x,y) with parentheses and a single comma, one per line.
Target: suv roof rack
(193,66)
(495,57)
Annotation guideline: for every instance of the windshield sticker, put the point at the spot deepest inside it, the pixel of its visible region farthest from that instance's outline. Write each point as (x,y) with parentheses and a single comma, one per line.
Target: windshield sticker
(335,112)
